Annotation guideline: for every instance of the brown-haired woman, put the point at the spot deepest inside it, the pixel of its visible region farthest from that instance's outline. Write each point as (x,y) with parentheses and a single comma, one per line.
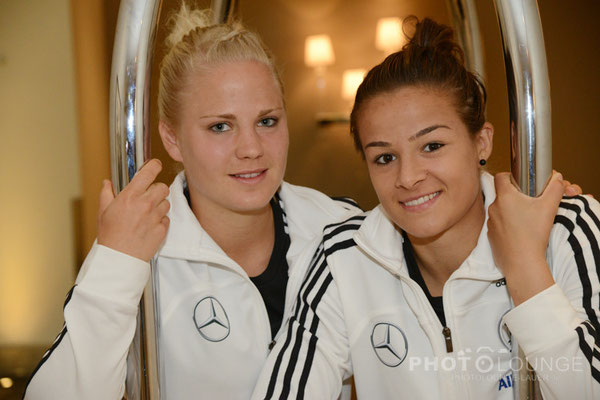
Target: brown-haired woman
(421,297)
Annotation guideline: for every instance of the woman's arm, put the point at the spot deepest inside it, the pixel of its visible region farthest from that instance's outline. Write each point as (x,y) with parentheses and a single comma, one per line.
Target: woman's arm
(312,357)
(88,358)
(555,320)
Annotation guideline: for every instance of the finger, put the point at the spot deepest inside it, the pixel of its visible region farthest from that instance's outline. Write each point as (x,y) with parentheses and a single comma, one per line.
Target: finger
(163,208)
(165,221)
(572,190)
(157,192)
(106,196)
(554,189)
(503,182)
(145,176)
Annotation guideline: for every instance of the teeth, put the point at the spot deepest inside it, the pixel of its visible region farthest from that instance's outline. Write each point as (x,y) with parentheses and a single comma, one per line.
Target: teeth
(252,175)
(421,200)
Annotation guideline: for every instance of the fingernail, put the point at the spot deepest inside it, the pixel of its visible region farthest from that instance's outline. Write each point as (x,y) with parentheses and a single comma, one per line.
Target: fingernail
(559,176)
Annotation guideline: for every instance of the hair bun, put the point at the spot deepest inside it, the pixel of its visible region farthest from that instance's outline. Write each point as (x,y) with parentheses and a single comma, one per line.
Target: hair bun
(431,37)
(184,21)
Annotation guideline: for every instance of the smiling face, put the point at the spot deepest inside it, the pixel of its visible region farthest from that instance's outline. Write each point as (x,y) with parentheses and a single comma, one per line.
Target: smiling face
(423,163)
(231,137)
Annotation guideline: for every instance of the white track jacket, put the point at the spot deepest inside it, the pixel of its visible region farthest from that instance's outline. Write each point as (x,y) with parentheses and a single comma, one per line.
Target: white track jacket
(359,313)
(197,282)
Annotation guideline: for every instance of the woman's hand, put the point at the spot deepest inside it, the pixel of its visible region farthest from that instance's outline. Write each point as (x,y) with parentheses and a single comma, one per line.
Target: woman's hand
(519,229)
(135,221)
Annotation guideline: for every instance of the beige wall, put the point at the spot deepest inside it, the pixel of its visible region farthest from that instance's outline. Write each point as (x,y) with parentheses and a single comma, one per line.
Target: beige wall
(39,168)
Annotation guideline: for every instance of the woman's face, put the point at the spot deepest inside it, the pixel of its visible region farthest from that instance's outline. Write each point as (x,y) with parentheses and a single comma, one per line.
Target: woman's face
(231,137)
(423,163)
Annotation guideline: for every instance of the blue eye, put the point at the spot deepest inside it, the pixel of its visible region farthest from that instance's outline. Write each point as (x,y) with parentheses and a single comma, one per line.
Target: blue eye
(385,159)
(220,127)
(431,147)
(268,122)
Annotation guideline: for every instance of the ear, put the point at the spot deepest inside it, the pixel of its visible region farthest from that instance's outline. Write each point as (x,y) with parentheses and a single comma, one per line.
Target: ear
(169,141)
(484,141)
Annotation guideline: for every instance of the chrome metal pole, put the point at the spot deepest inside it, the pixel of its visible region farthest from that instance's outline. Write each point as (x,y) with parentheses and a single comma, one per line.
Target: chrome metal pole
(463,14)
(130,147)
(530,122)
(223,10)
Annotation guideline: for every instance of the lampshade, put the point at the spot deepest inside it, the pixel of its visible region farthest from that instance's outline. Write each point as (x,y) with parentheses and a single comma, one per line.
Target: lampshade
(389,34)
(318,51)
(352,78)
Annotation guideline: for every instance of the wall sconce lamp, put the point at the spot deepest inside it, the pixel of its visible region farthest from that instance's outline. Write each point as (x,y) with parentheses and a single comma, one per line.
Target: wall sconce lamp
(389,36)
(318,53)
(352,79)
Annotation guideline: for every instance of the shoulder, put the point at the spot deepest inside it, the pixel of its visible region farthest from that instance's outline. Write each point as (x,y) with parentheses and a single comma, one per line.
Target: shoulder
(340,236)
(309,211)
(316,199)
(577,223)
(578,212)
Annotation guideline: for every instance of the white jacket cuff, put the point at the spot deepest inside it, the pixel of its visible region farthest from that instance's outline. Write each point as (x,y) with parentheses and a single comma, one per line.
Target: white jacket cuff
(543,320)
(115,275)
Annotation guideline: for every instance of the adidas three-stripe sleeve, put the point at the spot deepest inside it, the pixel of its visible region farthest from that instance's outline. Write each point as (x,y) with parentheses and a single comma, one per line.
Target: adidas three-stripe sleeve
(559,328)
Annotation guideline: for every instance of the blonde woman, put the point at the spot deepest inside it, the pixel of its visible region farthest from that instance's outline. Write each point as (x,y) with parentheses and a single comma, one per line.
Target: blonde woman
(226,249)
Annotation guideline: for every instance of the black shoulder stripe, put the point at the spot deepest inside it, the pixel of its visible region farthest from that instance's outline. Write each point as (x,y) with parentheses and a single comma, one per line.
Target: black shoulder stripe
(594,335)
(359,217)
(309,282)
(339,246)
(587,352)
(277,365)
(289,373)
(586,207)
(346,200)
(312,345)
(340,229)
(315,274)
(582,269)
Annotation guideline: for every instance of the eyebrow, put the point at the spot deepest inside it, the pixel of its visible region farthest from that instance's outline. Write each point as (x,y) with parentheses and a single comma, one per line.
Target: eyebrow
(417,135)
(231,116)
(425,131)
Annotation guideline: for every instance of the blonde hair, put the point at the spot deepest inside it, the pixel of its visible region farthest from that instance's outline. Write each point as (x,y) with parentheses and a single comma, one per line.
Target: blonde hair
(194,41)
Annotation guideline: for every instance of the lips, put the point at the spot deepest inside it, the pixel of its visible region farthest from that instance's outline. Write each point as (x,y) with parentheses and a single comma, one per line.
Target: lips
(249,175)
(421,200)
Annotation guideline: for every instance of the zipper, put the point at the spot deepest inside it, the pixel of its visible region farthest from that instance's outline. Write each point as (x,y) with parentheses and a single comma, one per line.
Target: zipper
(447,339)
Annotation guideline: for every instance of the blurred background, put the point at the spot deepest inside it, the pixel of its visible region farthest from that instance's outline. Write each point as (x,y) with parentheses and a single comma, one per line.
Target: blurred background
(55,60)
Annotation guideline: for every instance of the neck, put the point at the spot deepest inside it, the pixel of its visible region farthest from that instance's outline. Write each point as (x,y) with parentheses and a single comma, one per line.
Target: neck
(246,237)
(439,256)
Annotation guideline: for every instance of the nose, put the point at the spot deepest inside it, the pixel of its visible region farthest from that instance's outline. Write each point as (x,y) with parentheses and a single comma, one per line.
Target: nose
(410,173)
(249,144)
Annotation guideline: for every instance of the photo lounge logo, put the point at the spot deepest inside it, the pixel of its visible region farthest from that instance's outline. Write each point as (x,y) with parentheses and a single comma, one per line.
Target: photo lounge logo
(211,319)
(389,344)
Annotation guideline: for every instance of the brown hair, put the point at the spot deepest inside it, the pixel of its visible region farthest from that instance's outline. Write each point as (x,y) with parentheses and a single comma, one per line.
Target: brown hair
(431,59)
(194,42)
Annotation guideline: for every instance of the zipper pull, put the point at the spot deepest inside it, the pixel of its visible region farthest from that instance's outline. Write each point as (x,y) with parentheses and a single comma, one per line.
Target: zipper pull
(272,344)
(448,339)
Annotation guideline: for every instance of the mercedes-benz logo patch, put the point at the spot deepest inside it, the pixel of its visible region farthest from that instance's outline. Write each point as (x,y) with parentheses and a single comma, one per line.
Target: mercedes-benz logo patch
(389,343)
(504,333)
(211,319)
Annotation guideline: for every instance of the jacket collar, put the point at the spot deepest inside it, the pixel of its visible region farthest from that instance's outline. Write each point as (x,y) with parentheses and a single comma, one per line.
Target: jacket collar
(381,239)
(186,239)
